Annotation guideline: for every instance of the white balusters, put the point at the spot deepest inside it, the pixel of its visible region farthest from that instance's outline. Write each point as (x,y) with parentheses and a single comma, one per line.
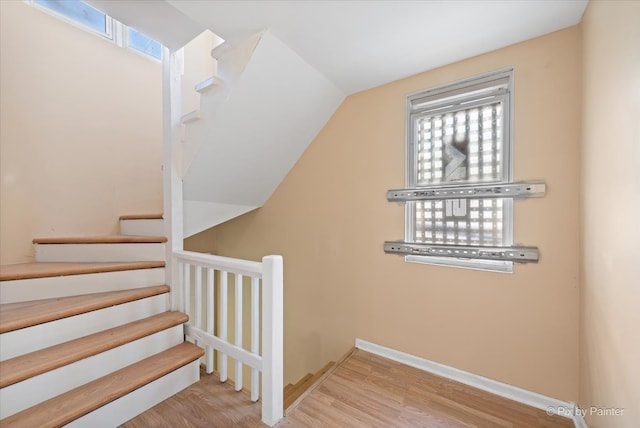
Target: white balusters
(187,289)
(238,329)
(223,323)
(211,308)
(178,295)
(198,297)
(266,300)
(255,335)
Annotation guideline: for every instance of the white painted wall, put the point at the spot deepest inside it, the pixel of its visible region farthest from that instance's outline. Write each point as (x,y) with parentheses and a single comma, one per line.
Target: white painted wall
(255,129)
(80,131)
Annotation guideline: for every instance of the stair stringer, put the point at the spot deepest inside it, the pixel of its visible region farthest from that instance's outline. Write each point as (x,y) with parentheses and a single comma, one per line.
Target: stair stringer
(252,131)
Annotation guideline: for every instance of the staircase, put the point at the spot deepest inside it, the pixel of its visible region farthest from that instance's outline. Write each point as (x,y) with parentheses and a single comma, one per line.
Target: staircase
(257,114)
(87,335)
(259,109)
(292,392)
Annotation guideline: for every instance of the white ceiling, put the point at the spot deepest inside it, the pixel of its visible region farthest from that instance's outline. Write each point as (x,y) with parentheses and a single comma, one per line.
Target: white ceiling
(362,44)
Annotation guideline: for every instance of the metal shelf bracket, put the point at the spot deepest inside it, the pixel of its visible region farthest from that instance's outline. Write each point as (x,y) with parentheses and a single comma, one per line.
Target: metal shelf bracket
(514,254)
(521,189)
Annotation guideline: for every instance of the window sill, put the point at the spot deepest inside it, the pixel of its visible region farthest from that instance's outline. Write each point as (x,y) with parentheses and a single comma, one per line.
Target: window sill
(485,265)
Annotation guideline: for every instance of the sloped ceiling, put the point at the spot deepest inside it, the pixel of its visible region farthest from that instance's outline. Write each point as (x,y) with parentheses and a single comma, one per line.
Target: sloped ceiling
(362,44)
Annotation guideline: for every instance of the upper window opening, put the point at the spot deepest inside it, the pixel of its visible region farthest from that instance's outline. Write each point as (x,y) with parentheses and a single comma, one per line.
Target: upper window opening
(79,12)
(138,41)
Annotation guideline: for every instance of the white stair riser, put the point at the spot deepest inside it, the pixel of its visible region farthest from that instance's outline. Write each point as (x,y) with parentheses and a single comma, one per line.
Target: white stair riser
(121,410)
(209,84)
(142,227)
(24,290)
(30,392)
(129,252)
(190,117)
(19,342)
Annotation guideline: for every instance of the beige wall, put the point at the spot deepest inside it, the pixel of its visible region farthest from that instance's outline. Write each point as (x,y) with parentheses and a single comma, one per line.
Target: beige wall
(330,217)
(80,131)
(610,294)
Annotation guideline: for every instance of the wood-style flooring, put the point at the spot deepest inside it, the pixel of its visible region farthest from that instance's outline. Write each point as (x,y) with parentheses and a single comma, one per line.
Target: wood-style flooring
(363,391)
(206,404)
(370,391)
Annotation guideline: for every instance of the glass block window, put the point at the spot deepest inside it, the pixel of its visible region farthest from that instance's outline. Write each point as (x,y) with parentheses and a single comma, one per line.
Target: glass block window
(460,146)
(472,222)
(460,135)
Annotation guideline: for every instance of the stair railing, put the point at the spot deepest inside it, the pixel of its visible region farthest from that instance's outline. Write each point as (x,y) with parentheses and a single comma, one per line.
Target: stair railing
(204,295)
(199,282)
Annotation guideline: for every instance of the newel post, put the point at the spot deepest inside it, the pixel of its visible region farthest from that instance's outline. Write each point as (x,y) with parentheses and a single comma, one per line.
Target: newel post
(272,339)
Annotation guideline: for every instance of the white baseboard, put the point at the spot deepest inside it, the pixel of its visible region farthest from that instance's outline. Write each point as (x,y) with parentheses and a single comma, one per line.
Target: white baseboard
(579,421)
(533,399)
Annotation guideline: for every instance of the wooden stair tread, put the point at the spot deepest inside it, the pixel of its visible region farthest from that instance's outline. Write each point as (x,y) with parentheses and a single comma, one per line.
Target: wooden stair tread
(78,402)
(302,380)
(44,269)
(323,370)
(303,384)
(294,392)
(14,316)
(29,365)
(291,402)
(142,217)
(110,239)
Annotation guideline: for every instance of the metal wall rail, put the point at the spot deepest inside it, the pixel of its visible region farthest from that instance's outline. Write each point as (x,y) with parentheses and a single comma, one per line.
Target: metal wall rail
(514,254)
(521,189)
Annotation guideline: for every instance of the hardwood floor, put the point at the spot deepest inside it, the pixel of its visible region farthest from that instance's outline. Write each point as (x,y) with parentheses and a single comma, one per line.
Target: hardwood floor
(363,391)
(206,404)
(370,391)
